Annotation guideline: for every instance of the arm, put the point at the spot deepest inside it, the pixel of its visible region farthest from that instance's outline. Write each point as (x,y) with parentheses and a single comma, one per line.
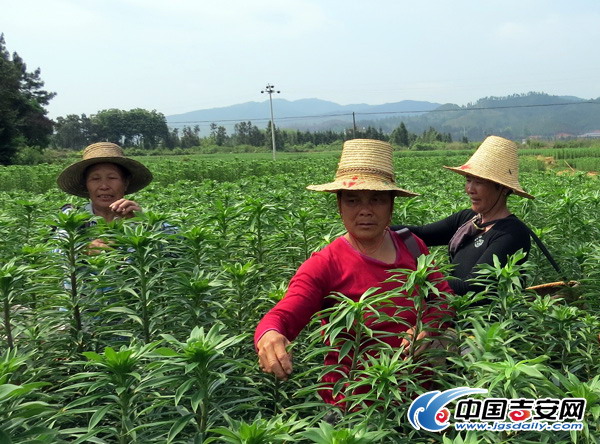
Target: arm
(286,320)
(124,208)
(436,316)
(440,232)
(460,286)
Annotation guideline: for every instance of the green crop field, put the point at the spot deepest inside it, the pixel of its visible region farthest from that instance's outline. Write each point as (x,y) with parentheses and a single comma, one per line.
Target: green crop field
(151,341)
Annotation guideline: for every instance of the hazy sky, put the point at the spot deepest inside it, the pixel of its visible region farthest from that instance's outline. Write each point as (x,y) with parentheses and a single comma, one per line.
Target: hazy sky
(176,56)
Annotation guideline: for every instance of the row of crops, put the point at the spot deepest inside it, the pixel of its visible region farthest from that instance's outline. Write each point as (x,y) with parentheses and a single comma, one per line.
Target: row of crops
(151,341)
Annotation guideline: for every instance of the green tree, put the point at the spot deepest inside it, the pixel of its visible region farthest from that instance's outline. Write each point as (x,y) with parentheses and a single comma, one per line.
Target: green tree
(144,128)
(109,125)
(23,118)
(255,136)
(73,132)
(279,140)
(431,135)
(221,136)
(371,132)
(190,136)
(241,133)
(218,134)
(137,127)
(172,139)
(247,134)
(400,136)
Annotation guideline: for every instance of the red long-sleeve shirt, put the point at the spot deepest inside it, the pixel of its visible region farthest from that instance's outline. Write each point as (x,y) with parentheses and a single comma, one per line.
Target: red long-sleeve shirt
(340,268)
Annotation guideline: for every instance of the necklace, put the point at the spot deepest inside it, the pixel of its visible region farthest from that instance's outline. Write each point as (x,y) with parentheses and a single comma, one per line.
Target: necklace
(479,225)
(365,251)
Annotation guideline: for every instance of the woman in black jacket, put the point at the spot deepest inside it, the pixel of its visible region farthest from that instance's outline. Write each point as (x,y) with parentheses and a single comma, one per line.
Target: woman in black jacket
(488,228)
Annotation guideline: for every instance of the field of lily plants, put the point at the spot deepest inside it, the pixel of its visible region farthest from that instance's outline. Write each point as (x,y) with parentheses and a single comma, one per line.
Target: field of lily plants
(151,340)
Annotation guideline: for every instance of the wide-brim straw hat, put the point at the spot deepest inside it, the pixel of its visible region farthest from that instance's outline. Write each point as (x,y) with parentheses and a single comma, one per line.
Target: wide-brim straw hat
(72,179)
(365,164)
(495,160)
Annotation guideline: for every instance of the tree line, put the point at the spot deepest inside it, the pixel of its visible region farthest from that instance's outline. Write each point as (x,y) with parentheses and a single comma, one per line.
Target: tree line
(137,127)
(148,130)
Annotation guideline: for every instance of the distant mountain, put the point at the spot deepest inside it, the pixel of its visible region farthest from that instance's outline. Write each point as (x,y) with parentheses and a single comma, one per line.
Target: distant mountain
(516,116)
(297,114)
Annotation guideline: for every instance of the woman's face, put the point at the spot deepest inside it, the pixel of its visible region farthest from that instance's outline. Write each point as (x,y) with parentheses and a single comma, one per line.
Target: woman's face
(365,214)
(484,194)
(106,184)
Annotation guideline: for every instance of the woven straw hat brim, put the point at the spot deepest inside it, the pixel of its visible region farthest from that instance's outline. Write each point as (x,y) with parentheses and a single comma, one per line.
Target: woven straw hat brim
(365,165)
(71,180)
(517,190)
(361,184)
(496,160)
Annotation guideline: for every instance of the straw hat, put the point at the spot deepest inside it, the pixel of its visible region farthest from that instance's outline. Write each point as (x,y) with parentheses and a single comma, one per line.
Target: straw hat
(365,165)
(495,160)
(72,179)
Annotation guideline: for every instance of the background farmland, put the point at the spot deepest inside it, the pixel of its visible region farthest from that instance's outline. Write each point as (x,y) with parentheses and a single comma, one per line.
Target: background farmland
(151,341)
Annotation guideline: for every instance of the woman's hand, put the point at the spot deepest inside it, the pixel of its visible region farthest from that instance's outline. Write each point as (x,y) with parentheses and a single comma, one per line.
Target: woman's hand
(125,208)
(273,356)
(405,344)
(96,247)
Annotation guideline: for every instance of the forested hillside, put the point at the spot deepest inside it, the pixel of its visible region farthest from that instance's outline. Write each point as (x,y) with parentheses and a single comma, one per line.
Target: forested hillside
(516,117)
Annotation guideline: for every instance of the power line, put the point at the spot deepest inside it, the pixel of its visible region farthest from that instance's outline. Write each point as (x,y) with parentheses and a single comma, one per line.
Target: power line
(316,116)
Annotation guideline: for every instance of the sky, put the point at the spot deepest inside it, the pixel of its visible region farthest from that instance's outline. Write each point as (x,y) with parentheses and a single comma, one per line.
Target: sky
(175,56)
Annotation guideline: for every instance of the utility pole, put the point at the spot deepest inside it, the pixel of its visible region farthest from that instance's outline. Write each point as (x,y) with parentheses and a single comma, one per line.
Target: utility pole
(270,89)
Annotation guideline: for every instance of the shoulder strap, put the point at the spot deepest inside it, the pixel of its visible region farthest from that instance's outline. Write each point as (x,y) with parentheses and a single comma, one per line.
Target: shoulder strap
(410,242)
(540,244)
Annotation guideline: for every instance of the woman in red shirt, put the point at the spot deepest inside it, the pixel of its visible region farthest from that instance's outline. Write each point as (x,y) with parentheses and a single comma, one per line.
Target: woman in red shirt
(360,259)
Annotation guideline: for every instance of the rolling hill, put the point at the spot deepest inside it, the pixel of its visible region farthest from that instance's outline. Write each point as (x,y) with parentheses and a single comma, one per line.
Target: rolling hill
(516,116)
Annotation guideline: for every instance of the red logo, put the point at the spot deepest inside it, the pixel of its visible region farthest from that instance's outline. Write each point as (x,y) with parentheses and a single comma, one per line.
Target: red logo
(353,181)
(519,415)
(442,416)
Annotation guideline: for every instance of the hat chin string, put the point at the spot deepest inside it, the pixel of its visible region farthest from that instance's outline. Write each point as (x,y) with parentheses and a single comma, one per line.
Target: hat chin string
(483,215)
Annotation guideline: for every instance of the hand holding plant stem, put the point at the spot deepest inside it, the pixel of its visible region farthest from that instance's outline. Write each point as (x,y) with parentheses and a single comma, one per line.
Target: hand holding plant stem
(125,208)
(273,355)
(96,246)
(409,343)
